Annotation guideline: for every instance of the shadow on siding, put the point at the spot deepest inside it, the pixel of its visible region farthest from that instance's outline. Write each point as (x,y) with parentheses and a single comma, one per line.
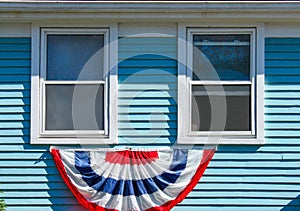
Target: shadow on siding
(293,205)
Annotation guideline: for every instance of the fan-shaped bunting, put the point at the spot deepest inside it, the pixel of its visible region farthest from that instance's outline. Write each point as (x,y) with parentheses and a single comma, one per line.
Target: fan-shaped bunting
(131,180)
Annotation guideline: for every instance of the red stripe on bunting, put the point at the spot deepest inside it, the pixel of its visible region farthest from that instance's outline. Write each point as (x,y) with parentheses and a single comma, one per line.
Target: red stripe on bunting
(207,156)
(131,157)
(60,166)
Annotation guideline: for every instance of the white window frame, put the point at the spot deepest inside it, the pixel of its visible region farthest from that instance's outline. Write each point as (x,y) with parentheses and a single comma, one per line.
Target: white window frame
(185,62)
(39,45)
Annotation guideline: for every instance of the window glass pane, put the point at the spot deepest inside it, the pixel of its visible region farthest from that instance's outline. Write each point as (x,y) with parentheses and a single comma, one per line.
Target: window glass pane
(75,57)
(224,57)
(230,103)
(74,107)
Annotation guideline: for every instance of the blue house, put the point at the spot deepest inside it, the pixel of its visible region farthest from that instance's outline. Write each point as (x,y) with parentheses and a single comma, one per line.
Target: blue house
(139,74)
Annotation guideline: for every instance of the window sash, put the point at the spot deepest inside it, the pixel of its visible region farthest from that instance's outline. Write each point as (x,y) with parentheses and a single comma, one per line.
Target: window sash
(191,82)
(43,82)
(71,132)
(218,133)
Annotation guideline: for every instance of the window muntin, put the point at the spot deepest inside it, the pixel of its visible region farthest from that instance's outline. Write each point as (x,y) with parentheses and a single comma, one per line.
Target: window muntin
(73,82)
(222,72)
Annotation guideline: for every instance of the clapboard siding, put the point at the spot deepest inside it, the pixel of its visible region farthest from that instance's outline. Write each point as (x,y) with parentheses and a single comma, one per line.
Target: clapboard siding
(28,176)
(238,178)
(147,90)
(261,177)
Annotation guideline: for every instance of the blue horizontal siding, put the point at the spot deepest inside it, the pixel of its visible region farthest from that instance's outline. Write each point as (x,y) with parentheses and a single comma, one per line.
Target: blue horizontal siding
(147,90)
(28,177)
(15,47)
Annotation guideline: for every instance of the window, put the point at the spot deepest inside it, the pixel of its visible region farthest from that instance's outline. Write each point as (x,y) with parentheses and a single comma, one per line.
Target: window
(219,100)
(73,90)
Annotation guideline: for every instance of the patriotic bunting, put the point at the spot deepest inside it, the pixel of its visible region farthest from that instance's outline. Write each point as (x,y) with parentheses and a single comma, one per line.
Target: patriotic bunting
(131,180)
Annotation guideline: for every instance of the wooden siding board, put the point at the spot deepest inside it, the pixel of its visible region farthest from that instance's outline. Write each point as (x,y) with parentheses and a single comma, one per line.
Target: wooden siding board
(141,109)
(282,48)
(28,172)
(283,56)
(14,109)
(136,87)
(282,41)
(146,49)
(282,87)
(15,86)
(4,125)
(147,141)
(15,47)
(280,95)
(38,194)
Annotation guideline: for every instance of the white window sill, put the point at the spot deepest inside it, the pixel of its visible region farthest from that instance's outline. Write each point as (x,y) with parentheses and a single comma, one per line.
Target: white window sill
(78,140)
(219,140)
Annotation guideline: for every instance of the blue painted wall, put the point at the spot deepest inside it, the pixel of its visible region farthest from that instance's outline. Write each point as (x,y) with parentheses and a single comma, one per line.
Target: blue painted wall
(28,176)
(147,91)
(238,178)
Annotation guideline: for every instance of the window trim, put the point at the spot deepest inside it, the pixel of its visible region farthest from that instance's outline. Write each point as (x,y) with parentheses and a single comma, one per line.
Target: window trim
(185,44)
(38,71)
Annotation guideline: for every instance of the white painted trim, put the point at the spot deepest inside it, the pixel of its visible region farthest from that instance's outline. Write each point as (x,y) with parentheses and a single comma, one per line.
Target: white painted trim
(222,43)
(147,6)
(113,83)
(185,62)
(74,82)
(253,71)
(216,93)
(38,135)
(35,81)
(157,29)
(70,141)
(106,76)
(220,82)
(282,30)
(71,133)
(182,83)
(82,17)
(15,30)
(214,25)
(260,83)
(220,140)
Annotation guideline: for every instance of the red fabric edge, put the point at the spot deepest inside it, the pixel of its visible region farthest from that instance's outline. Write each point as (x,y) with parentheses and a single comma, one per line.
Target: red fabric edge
(60,166)
(207,156)
(131,157)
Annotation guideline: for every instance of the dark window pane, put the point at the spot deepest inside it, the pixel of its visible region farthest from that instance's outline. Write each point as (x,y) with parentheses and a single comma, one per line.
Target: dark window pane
(75,57)
(234,100)
(74,107)
(221,57)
